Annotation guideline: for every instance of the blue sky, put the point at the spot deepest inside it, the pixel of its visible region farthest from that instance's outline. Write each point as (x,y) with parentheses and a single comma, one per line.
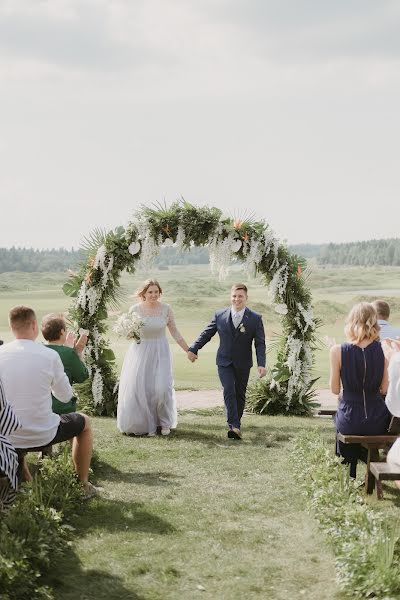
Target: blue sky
(288,108)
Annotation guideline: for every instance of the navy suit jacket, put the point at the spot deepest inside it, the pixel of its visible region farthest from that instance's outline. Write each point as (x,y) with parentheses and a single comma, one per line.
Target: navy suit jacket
(235,344)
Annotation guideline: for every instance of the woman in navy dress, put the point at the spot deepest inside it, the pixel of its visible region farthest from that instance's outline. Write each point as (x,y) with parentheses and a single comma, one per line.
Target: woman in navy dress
(359,368)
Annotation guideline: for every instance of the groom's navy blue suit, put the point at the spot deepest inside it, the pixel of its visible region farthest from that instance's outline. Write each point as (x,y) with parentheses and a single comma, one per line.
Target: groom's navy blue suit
(234,356)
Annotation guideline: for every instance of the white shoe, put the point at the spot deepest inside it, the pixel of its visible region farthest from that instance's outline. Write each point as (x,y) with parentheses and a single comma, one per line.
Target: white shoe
(152,434)
(165,431)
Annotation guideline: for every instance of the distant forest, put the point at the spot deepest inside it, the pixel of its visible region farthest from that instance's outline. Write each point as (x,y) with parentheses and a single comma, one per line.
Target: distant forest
(369,253)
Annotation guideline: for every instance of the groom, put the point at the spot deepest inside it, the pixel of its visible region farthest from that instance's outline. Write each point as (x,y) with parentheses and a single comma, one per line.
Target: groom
(237,327)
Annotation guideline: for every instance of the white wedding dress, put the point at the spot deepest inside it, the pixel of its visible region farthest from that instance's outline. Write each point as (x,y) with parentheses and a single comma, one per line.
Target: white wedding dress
(146,396)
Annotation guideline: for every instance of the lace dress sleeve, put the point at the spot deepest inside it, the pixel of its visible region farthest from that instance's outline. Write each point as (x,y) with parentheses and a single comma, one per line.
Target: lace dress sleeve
(174,330)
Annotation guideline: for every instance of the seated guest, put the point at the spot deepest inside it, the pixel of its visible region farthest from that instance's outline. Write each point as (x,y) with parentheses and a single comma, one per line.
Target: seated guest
(8,456)
(30,372)
(392,353)
(54,331)
(383,311)
(360,368)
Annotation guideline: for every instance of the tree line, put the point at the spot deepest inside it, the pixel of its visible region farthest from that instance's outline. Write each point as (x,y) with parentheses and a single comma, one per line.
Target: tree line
(368,253)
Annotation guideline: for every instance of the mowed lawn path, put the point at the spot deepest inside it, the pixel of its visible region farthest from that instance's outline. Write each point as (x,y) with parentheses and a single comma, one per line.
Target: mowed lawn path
(197,515)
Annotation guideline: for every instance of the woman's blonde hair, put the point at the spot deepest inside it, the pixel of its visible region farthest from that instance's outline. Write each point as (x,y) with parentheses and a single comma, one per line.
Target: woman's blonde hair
(140,293)
(361,323)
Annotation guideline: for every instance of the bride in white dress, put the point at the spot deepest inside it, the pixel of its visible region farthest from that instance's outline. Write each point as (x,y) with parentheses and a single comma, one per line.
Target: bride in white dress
(146,396)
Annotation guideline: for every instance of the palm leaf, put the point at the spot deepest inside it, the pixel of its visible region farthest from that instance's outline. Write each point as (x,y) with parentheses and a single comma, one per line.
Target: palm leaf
(91,243)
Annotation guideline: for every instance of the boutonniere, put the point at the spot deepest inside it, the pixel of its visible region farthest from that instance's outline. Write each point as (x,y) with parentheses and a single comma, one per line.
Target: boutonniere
(242,328)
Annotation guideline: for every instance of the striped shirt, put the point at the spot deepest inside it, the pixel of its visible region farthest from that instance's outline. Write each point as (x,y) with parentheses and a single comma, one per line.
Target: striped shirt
(8,457)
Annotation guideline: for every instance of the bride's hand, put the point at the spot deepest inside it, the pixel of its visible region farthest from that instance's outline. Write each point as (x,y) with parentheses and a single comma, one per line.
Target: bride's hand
(192,356)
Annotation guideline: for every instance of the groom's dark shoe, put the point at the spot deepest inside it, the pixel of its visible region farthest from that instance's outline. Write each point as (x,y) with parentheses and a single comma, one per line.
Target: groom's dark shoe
(234,434)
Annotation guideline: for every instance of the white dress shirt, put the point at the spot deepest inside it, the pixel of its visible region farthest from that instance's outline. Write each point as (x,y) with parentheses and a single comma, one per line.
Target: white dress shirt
(387,330)
(237,315)
(30,372)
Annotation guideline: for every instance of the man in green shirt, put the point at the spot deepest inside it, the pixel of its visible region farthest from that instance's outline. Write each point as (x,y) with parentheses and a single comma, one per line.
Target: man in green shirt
(54,331)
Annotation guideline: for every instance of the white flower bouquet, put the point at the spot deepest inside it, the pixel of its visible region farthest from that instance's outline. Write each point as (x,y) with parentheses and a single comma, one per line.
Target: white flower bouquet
(128,326)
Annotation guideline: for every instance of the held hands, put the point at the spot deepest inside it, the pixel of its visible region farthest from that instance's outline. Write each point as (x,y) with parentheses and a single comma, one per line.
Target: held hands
(262,371)
(192,356)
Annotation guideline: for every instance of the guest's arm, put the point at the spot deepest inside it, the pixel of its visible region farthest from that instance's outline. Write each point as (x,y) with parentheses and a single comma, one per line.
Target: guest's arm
(335,360)
(78,368)
(385,379)
(60,385)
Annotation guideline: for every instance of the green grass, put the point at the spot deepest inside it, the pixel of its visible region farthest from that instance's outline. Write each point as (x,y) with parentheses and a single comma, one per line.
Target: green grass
(198,515)
(195,294)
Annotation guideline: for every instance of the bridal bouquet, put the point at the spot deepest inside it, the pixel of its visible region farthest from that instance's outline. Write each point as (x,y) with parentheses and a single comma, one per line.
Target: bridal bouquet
(128,326)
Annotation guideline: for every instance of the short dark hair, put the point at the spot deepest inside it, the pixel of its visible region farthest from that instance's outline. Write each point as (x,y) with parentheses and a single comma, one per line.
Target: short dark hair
(239,286)
(382,308)
(20,317)
(52,326)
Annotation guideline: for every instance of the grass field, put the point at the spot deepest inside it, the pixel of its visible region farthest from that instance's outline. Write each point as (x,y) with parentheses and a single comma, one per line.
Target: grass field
(194,294)
(198,516)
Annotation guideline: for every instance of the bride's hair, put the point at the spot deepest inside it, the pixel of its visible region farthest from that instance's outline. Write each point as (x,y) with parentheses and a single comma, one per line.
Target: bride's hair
(362,323)
(140,293)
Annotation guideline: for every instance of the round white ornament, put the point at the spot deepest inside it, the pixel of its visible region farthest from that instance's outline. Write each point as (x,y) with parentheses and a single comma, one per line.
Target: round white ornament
(236,245)
(134,248)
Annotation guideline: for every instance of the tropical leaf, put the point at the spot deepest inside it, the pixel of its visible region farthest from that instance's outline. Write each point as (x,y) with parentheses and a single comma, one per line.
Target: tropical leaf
(71,288)
(108,354)
(92,242)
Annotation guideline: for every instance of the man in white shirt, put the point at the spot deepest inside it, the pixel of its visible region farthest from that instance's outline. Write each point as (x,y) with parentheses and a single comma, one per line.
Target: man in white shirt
(383,311)
(30,372)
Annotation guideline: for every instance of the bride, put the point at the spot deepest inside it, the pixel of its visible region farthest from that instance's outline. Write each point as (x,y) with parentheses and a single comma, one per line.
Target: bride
(146,397)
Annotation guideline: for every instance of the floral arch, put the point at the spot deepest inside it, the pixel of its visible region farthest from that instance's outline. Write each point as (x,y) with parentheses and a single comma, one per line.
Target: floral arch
(96,286)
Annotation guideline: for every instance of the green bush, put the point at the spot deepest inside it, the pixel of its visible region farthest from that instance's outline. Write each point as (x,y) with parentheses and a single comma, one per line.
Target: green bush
(32,534)
(264,396)
(56,485)
(366,543)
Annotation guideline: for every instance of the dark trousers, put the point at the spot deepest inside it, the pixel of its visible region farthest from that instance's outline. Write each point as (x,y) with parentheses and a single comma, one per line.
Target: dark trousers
(234,383)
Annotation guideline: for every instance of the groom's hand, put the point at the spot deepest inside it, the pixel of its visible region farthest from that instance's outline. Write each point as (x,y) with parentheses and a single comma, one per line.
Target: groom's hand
(192,356)
(262,371)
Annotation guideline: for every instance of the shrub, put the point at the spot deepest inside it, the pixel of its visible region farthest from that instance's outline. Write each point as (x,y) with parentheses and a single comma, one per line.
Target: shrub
(264,396)
(366,542)
(32,535)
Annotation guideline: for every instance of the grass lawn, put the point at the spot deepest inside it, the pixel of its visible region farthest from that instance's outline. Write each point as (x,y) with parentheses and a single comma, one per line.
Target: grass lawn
(197,515)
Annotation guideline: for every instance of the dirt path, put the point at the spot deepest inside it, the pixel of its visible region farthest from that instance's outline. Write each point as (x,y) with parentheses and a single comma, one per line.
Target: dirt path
(211,398)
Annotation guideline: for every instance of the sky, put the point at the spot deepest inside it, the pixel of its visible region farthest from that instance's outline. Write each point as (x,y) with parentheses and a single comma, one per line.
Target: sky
(285,108)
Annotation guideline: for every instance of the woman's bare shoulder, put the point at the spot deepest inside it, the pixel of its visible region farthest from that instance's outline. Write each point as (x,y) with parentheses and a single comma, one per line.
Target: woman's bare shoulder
(336,350)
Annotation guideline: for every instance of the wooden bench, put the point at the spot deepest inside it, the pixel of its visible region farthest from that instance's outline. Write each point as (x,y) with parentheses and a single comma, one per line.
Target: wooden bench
(383,471)
(326,412)
(373,443)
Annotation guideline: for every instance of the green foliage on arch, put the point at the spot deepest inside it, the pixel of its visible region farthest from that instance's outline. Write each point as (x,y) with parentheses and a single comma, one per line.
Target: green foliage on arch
(96,287)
